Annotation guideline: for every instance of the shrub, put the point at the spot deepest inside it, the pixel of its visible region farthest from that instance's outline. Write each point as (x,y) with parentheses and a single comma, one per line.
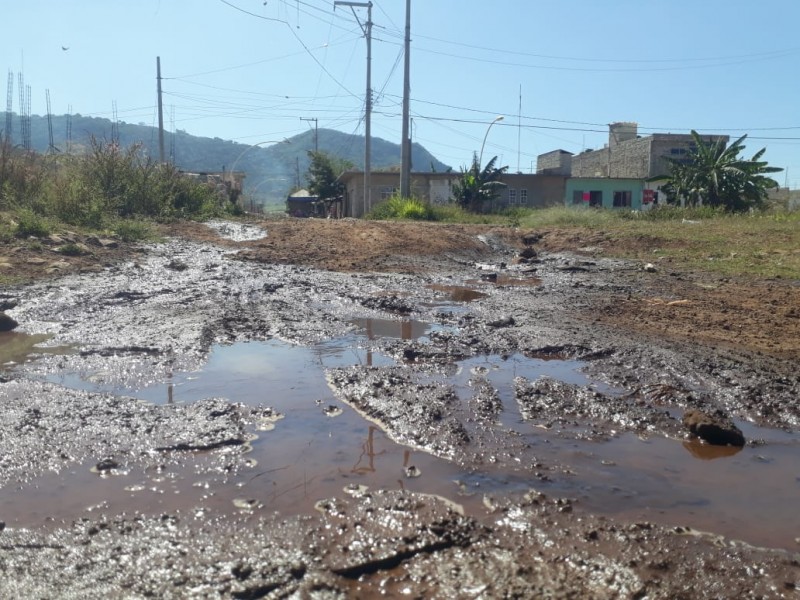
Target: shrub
(31,224)
(402,208)
(133,230)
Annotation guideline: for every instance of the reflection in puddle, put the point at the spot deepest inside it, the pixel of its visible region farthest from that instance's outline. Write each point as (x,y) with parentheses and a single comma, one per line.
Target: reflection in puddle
(316,452)
(503,279)
(709,452)
(457,293)
(405,329)
(17,347)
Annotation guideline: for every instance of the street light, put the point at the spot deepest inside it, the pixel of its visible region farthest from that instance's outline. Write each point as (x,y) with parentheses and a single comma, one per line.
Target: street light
(496,119)
(235,162)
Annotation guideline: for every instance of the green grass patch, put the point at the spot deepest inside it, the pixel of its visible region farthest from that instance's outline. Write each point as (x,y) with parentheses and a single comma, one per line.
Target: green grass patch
(762,244)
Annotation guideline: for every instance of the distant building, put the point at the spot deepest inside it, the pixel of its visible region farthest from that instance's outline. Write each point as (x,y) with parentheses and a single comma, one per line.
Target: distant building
(229,185)
(522,190)
(628,155)
(556,162)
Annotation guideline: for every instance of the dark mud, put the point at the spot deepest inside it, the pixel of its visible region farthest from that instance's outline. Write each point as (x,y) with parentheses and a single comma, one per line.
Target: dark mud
(460,380)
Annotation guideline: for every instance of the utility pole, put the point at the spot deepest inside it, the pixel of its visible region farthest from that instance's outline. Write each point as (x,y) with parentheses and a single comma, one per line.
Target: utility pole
(367,29)
(405,152)
(160,112)
(316,131)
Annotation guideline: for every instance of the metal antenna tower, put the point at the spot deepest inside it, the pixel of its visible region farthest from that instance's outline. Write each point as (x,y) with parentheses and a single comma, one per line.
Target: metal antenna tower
(69,128)
(9,98)
(114,123)
(51,147)
(27,141)
(21,79)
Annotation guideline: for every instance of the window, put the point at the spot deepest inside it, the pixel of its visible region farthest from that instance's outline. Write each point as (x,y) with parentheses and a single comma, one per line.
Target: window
(577,197)
(387,192)
(622,198)
(512,196)
(523,197)
(596,199)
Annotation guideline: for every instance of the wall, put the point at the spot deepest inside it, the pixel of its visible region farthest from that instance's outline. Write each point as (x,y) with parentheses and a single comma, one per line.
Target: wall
(557,162)
(542,190)
(593,163)
(677,146)
(643,158)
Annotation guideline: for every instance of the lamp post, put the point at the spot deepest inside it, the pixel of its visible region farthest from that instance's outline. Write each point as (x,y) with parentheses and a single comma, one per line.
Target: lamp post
(246,150)
(496,119)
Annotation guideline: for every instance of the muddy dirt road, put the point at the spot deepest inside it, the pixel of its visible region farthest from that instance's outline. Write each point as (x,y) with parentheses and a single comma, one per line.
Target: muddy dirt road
(331,409)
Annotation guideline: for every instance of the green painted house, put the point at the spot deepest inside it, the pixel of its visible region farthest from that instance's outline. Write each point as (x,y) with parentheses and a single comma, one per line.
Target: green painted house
(605,192)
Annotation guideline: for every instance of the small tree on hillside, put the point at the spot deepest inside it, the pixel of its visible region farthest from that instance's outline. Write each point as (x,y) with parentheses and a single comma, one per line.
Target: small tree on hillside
(477,188)
(714,174)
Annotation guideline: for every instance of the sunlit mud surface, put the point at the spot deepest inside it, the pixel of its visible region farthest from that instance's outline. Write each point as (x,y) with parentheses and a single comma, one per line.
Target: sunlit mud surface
(326,447)
(369,431)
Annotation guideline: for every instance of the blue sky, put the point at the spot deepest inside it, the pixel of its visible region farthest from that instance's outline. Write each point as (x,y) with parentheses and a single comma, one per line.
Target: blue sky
(253,70)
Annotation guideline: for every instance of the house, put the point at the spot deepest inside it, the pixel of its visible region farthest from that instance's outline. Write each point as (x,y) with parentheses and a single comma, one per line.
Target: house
(430,187)
(522,190)
(628,155)
(605,192)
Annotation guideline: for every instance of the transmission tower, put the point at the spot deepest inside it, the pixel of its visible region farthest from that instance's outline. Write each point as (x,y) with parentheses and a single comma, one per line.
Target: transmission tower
(21,79)
(28,117)
(114,123)
(52,147)
(9,98)
(69,128)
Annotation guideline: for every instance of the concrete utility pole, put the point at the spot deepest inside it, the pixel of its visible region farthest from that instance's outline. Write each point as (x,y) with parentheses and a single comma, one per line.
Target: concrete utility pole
(367,29)
(160,112)
(405,152)
(316,131)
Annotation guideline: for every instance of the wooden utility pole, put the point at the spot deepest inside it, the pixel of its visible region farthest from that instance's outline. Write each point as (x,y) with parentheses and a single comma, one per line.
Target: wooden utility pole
(367,29)
(316,131)
(405,147)
(160,112)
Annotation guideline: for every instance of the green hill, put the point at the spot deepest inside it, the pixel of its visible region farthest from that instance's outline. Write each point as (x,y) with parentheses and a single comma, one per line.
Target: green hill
(272,169)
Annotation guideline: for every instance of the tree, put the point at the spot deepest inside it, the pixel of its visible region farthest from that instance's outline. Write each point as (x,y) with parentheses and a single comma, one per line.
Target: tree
(716,175)
(323,177)
(477,188)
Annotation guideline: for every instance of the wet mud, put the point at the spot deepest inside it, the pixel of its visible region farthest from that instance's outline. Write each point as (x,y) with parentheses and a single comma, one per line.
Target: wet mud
(197,421)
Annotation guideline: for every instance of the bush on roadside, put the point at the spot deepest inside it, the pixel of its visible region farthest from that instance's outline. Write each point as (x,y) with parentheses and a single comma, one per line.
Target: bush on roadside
(402,208)
(98,188)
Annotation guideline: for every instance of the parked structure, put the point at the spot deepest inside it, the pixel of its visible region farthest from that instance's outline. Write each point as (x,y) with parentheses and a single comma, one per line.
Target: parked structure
(303,204)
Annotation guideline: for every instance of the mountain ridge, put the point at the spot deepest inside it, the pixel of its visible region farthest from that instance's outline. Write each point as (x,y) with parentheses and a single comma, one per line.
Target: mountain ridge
(272,170)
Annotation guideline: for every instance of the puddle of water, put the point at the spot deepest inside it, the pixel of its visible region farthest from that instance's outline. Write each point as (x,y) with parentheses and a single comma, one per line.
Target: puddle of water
(457,293)
(745,493)
(16,348)
(404,329)
(749,493)
(249,372)
(503,279)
